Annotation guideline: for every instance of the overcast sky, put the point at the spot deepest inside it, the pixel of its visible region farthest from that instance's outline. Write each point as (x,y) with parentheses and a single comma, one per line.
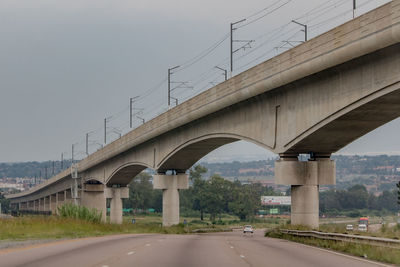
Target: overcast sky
(67,65)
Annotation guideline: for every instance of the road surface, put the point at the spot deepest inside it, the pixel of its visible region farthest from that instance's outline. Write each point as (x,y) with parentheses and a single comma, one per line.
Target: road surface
(231,249)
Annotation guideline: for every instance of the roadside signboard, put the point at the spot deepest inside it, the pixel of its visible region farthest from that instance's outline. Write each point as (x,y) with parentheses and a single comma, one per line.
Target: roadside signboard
(274,211)
(275,201)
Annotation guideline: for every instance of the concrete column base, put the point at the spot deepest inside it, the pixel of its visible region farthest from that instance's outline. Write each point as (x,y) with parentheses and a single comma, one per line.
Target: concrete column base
(116,194)
(170,184)
(305,205)
(305,178)
(93,197)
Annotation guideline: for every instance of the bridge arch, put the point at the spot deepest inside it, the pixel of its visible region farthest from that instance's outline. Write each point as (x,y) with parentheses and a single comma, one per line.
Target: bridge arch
(93,180)
(186,154)
(125,173)
(349,123)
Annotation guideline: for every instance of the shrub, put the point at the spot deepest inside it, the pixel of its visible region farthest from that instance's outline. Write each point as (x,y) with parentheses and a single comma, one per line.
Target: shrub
(70,210)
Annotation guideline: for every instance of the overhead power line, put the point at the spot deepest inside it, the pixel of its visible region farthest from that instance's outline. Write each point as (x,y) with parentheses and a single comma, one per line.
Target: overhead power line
(266,14)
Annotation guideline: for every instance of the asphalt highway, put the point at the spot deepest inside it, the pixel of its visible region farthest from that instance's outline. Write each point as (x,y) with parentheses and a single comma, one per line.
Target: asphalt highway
(231,249)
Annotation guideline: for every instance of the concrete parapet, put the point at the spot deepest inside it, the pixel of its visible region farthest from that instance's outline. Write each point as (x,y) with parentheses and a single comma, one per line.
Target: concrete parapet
(116,194)
(170,184)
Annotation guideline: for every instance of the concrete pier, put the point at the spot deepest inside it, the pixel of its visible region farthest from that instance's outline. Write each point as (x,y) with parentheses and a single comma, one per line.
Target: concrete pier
(304,177)
(116,194)
(170,184)
(93,197)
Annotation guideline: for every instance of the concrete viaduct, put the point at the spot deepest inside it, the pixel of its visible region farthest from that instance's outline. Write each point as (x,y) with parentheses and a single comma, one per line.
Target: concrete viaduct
(313,99)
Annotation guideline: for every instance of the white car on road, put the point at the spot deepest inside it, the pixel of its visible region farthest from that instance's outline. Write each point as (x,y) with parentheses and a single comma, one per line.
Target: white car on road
(248,229)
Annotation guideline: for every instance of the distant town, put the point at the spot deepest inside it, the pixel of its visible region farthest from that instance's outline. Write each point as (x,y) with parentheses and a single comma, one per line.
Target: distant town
(376,173)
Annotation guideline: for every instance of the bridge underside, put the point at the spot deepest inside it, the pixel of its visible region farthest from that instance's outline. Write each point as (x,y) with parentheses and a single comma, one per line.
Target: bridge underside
(124,175)
(352,125)
(184,158)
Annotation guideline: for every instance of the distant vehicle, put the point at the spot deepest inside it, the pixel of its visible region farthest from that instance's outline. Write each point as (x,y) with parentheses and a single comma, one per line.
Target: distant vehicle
(349,227)
(363,221)
(362,228)
(248,229)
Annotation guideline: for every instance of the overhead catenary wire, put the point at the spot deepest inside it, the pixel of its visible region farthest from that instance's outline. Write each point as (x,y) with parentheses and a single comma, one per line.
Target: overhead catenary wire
(264,15)
(202,55)
(203,80)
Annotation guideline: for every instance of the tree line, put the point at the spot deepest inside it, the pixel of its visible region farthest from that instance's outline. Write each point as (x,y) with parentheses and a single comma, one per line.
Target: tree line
(214,196)
(358,198)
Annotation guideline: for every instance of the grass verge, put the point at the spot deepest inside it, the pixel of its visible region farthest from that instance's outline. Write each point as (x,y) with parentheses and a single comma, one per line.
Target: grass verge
(52,227)
(56,227)
(381,254)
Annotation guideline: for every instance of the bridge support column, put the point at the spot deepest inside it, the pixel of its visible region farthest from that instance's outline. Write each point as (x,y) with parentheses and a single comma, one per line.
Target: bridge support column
(47,203)
(116,194)
(304,177)
(53,203)
(170,184)
(60,200)
(68,196)
(31,205)
(93,197)
(41,204)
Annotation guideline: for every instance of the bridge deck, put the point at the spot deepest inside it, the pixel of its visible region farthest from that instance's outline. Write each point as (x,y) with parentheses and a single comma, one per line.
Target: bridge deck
(372,31)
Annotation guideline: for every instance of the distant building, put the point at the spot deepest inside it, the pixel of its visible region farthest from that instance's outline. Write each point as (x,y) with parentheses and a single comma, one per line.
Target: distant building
(19,187)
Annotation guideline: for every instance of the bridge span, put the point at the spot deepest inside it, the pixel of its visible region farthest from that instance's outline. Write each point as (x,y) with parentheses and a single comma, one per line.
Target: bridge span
(315,98)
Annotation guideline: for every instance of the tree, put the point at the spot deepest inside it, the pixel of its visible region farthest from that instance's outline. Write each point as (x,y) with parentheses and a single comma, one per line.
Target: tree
(141,193)
(216,191)
(197,172)
(5,204)
(387,200)
(246,201)
(199,189)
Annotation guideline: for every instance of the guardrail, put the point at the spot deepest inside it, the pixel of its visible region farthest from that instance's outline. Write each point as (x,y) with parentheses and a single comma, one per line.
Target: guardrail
(375,241)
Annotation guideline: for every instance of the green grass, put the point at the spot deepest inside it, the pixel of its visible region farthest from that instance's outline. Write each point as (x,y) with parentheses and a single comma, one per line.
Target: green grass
(56,227)
(52,227)
(70,210)
(383,254)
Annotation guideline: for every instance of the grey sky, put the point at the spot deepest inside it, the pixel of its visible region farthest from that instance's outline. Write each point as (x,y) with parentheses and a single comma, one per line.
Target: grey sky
(66,65)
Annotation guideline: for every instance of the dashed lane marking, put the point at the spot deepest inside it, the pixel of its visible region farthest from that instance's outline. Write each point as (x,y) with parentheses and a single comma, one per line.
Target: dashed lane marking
(147,245)
(130,253)
(242,256)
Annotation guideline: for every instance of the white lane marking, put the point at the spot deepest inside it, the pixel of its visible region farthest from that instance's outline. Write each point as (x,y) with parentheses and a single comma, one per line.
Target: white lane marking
(242,256)
(344,255)
(231,247)
(104,266)
(147,245)
(130,253)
